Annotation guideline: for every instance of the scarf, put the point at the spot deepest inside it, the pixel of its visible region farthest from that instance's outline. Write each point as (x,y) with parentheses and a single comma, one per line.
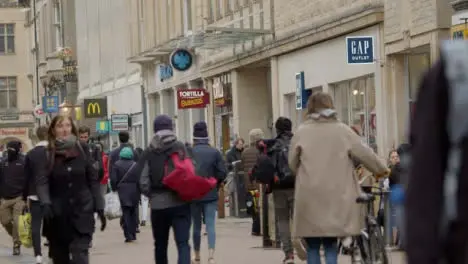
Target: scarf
(326,113)
(65,145)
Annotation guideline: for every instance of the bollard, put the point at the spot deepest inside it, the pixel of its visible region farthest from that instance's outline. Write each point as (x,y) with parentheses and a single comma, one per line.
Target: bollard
(388,232)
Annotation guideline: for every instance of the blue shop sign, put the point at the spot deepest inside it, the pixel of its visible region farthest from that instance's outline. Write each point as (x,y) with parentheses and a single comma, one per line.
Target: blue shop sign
(50,104)
(165,72)
(360,50)
(181,59)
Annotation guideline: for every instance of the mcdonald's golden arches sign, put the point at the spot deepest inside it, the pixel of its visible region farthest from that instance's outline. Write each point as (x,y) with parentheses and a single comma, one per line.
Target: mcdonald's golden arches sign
(95,108)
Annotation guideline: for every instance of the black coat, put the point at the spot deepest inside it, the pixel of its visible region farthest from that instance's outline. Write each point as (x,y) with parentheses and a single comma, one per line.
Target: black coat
(71,186)
(127,188)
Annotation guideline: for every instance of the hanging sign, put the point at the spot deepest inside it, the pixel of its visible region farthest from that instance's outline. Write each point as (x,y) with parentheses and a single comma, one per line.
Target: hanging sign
(96,107)
(218,93)
(50,104)
(181,59)
(120,122)
(192,98)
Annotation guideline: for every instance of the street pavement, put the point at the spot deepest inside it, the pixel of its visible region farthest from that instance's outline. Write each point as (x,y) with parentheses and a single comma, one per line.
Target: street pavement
(234,246)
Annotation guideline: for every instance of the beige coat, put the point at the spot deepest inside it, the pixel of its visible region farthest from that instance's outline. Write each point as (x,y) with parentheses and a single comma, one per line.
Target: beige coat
(326,187)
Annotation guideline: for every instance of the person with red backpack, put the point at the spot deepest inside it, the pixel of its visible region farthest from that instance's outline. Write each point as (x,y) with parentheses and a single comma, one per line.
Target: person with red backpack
(208,163)
(168,209)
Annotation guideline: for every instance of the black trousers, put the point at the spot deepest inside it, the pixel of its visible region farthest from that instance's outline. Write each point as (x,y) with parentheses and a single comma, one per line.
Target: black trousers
(129,221)
(36,225)
(77,248)
(256,223)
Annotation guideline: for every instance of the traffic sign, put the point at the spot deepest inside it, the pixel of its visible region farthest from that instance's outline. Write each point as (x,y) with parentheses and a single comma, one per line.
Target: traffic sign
(50,104)
(38,112)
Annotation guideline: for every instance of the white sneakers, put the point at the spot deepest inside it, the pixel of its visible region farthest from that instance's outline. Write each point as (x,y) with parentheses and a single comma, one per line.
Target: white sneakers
(39,260)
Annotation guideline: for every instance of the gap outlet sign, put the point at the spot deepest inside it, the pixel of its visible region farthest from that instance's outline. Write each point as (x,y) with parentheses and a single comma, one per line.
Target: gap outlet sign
(360,50)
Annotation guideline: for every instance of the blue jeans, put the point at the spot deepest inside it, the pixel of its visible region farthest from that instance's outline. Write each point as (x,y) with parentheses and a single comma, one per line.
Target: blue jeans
(161,222)
(208,210)
(330,246)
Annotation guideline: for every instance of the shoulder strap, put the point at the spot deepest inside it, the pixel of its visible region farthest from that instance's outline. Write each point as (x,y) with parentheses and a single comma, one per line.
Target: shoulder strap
(126,174)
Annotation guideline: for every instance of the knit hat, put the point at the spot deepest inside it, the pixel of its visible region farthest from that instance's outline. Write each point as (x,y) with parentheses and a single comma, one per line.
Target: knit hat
(162,122)
(283,124)
(255,135)
(200,130)
(126,153)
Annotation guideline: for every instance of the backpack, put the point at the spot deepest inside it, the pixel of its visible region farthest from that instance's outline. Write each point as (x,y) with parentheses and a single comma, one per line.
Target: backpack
(284,173)
(183,180)
(264,169)
(96,156)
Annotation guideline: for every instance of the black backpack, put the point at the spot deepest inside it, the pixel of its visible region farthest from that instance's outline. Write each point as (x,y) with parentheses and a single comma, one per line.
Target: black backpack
(284,173)
(264,169)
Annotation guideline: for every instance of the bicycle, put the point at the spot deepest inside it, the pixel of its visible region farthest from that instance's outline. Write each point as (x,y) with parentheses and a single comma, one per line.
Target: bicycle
(370,243)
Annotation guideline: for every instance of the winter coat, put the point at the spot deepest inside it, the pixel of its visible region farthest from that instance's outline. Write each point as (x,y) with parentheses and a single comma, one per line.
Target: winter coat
(128,187)
(152,166)
(114,155)
(209,163)
(326,186)
(71,186)
(32,166)
(231,156)
(249,159)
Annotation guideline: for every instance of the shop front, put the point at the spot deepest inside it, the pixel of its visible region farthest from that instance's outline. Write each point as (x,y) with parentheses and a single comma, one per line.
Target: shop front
(347,67)
(21,134)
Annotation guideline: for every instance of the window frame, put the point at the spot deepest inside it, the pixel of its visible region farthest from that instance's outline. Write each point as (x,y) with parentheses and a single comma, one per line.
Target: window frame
(8,89)
(58,25)
(4,36)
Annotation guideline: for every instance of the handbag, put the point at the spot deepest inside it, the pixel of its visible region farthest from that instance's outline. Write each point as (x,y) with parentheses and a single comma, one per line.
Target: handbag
(113,209)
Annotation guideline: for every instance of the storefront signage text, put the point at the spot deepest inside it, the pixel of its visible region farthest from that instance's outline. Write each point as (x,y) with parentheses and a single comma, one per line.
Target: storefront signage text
(13,131)
(360,50)
(192,98)
(165,72)
(95,108)
(459,31)
(120,122)
(300,87)
(218,93)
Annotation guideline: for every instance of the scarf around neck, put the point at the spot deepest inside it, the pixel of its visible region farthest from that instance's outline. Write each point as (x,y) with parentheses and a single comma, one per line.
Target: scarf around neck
(65,144)
(326,113)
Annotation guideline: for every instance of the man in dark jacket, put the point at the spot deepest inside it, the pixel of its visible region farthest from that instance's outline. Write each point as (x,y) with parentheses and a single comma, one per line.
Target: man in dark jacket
(32,168)
(167,209)
(427,241)
(283,186)
(234,154)
(13,186)
(125,181)
(209,163)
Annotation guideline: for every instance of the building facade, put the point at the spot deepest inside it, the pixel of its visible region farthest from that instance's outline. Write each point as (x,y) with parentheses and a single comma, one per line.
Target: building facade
(16,90)
(459,28)
(104,44)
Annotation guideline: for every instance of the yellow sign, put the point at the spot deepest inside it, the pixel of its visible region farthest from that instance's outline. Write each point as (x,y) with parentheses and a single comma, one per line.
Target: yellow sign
(459,31)
(95,108)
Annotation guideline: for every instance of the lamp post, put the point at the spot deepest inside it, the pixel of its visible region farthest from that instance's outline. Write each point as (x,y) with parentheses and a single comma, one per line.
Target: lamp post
(67,108)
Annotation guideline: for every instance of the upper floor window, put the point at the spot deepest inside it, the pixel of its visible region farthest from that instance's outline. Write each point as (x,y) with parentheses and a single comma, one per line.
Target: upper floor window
(187,12)
(58,25)
(7,38)
(8,93)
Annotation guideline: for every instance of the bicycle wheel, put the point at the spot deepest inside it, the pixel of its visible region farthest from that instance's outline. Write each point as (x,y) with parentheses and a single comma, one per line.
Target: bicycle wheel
(362,244)
(377,245)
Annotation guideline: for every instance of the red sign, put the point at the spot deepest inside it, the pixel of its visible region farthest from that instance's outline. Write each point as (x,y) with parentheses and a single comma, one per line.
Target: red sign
(192,98)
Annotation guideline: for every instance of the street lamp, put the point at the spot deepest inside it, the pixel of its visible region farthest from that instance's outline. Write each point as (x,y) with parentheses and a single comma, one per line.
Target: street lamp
(67,108)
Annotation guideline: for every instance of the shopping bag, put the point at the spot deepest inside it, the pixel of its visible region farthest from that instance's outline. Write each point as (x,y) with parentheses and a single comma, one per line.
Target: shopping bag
(25,230)
(112,210)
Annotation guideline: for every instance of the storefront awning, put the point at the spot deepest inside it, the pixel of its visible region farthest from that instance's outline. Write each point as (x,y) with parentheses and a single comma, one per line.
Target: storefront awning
(214,38)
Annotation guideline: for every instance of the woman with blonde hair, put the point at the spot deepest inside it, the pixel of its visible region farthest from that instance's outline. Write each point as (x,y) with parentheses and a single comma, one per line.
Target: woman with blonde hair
(69,189)
(321,155)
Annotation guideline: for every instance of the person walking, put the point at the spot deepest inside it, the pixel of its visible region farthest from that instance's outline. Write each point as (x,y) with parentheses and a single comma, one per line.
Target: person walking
(320,157)
(167,209)
(125,181)
(234,153)
(144,201)
(13,182)
(124,139)
(249,159)
(69,189)
(32,169)
(209,163)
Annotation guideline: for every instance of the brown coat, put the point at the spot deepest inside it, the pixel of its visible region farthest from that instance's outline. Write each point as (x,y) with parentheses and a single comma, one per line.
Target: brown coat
(326,187)
(249,158)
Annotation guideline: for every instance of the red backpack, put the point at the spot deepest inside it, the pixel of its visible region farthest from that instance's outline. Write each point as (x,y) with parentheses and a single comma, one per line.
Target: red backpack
(184,181)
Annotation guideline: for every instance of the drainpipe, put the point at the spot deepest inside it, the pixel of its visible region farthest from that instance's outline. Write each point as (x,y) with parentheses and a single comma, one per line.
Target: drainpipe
(144,110)
(36,47)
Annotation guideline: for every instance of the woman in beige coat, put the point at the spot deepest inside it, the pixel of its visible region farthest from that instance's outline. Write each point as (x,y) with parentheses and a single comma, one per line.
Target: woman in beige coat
(321,156)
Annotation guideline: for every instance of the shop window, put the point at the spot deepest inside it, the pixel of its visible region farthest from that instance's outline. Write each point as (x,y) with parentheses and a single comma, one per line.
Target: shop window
(355,104)
(417,65)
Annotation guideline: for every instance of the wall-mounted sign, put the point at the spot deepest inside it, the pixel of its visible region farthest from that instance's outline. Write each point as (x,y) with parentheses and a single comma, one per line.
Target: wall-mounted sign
(50,104)
(120,122)
(10,117)
(8,132)
(360,50)
(95,108)
(459,31)
(218,93)
(300,87)
(181,59)
(192,98)
(102,126)
(38,112)
(165,72)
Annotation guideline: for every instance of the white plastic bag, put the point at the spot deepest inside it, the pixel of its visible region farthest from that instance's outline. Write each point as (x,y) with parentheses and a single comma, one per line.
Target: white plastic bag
(112,209)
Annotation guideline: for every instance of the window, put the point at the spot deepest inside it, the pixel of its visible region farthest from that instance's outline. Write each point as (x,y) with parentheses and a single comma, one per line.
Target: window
(58,25)
(417,65)
(355,104)
(7,38)
(187,11)
(212,8)
(220,8)
(8,93)
(233,5)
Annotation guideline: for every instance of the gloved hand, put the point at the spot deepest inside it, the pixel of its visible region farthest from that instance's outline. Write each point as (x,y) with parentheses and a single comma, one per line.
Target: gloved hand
(47,211)
(103,219)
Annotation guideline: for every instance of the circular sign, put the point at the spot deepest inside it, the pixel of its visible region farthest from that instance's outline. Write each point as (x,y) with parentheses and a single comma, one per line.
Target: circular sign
(181,59)
(38,112)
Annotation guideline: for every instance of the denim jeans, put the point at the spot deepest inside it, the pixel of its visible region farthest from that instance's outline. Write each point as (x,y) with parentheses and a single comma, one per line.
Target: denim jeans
(330,247)
(400,223)
(208,210)
(161,222)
